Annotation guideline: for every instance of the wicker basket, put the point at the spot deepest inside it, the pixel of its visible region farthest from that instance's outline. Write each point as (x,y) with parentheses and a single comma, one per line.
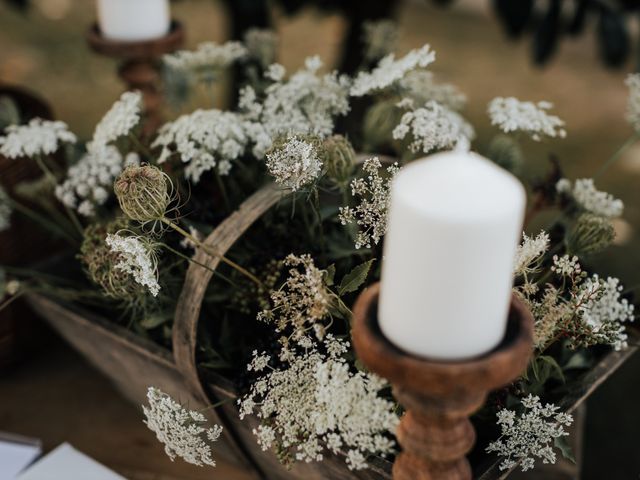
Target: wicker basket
(134,363)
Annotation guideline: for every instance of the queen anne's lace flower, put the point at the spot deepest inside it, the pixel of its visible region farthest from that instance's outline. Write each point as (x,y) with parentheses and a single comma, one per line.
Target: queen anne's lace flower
(529,435)
(433,127)
(390,70)
(529,253)
(513,115)
(183,432)
(589,198)
(204,140)
(117,122)
(295,164)
(305,103)
(315,401)
(5,210)
(374,194)
(602,312)
(207,55)
(38,137)
(137,258)
(303,301)
(421,87)
(566,266)
(89,182)
(633,101)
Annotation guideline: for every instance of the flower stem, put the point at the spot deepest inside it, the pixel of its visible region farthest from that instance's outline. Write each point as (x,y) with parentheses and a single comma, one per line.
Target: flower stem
(44,222)
(143,148)
(189,259)
(616,156)
(10,300)
(211,252)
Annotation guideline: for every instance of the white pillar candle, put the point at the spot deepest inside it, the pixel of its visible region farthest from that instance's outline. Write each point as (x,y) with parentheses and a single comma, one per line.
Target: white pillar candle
(133,20)
(455,220)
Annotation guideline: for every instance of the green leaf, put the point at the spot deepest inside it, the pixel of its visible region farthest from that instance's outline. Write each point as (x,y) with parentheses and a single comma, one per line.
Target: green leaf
(355,278)
(562,444)
(330,275)
(546,367)
(577,361)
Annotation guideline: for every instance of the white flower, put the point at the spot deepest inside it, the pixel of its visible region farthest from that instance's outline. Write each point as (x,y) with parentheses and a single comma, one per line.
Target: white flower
(529,435)
(204,139)
(118,121)
(591,199)
(529,253)
(38,137)
(602,310)
(5,210)
(303,301)
(566,266)
(633,101)
(295,164)
(89,182)
(390,70)
(371,213)
(275,72)
(137,259)
(305,103)
(379,38)
(511,115)
(433,127)
(182,432)
(316,401)
(420,86)
(207,55)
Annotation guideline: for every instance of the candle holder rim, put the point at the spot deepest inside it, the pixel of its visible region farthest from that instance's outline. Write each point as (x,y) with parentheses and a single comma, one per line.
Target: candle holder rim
(490,370)
(136,48)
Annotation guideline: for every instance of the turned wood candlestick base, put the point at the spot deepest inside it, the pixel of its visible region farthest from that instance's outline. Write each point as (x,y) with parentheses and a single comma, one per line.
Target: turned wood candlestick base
(139,68)
(439,396)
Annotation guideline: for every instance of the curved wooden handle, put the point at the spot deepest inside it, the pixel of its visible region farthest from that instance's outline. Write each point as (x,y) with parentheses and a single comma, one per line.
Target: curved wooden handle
(185,327)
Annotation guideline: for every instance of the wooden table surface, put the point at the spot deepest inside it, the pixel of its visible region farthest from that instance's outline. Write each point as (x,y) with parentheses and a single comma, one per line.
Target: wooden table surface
(57,397)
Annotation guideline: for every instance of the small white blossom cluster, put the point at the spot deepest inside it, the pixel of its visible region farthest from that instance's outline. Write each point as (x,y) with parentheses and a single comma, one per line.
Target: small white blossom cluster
(136,258)
(379,38)
(370,214)
(433,127)
(389,71)
(295,164)
(633,101)
(183,432)
(421,87)
(117,122)
(602,312)
(261,45)
(302,302)
(315,402)
(206,56)
(529,253)
(305,103)
(529,435)
(89,183)
(204,139)
(589,198)
(566,266)
(5,210)
(38,137)
(513,115)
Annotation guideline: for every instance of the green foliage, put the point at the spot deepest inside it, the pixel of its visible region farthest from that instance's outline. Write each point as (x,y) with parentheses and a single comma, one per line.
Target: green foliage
(353,280)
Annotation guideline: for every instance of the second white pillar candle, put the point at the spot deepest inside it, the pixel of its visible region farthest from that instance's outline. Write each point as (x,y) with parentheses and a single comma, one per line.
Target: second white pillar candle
(454,224)
(133,20)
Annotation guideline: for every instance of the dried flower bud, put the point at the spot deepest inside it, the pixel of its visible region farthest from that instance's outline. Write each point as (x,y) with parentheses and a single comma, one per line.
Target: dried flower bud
(590,234)
(379,122)
(144,192)
(338,157)
(506,152)
(99,262)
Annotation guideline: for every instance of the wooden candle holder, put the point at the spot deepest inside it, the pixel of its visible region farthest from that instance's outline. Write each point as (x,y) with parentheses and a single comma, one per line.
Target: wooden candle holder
(439,396)
(139,67)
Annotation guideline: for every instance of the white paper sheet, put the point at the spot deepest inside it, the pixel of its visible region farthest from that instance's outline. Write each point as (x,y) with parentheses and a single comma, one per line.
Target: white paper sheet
(65,462)
(15,457)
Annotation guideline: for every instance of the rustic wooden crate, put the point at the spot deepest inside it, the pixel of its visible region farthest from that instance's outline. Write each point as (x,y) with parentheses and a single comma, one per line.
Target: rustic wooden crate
(134,363)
